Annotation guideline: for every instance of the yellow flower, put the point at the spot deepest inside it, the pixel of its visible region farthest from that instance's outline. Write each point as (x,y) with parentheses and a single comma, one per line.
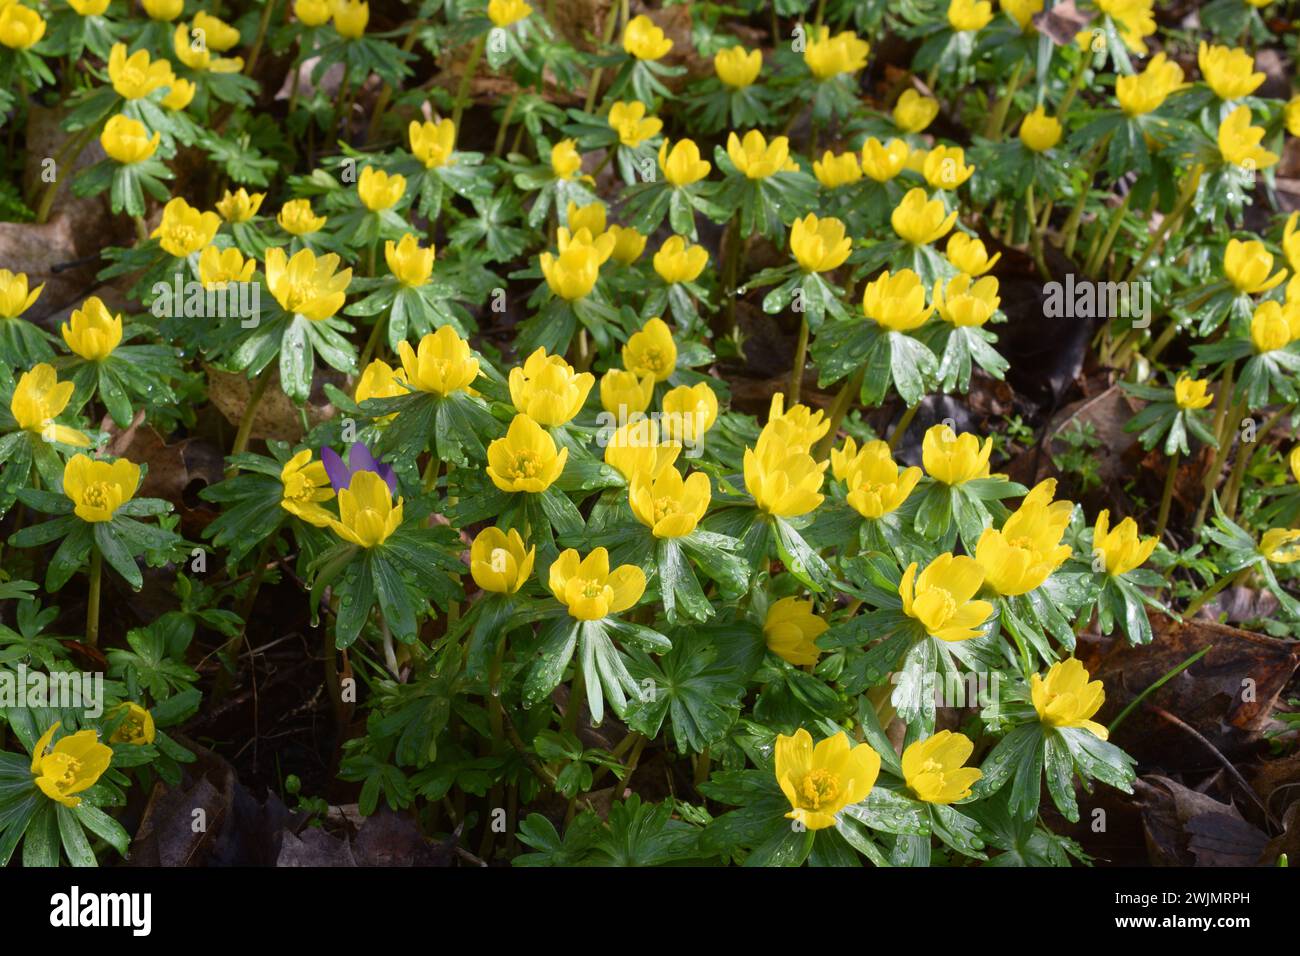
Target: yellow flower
(380,380)
(1190,393)
(1239,141)
(643,39)
(602,244)
(896,301)
(306,285)
(1022,11)
(573,273)
(565,159)
(548,390)
(184,230)
(883,162)
(677,261)
(1291,243)
(21,28)
(136,76)
(127,141)
(945,167)
(1270,329)
(1247,266)
(164,11)
(218,34)
(312,13)
(1294,461)
(89,8)
(964,302)
(634,449)
(631,123)
(934,768)
(350,18)
(304,485)
(74,764)
(828,56)
(876,485)
(378,190)
(1141,93)
(738,67)
(39,398)
(367,514)
(499,561)
(432,143)
(819,245)
(1122,549)
(98,488)
(194,50)
(14,297)
(1291,115)
(1134,20)
(756,157)
(92,331)
(628,244)
(1027,549)
(914,112)
(682,165)
(137,726)
(1280,545)
(651,351)
(954,459)
(833,171)
(941,597)
(821,781)
(588,588)
(410,264)
(969,255)
(969,14)
(525,459)
(181,94)
(442,364)
(1066,698)
(791,629)
(623,393)
(795,430)
(1229,72)
(296,218)
(668,505)
(784,482)
(240,206)
(1040,132)
(504,13)
(689,412)
(921,221)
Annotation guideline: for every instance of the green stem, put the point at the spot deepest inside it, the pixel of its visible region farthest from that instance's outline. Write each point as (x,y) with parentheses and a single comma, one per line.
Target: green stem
(1097,256)
(1167,495)
(577,690)
(800,359)
(1203,598)
(996,119)
(268,8)
(1157,241)
(1035,237)
(1221,420)
(466,78)
(504,125)
(92,597)
(839,408)
(593,88)
(386,95)
(901,428)
(250,412)
(1170,675)
(1071,227)
(372,340)
(66,156)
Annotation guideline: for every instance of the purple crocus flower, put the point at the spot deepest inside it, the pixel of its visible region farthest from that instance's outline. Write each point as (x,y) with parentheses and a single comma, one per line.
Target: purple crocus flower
(359,459)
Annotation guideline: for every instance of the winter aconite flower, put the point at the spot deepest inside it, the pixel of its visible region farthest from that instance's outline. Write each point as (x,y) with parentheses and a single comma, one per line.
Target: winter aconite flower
(1280,545)
(1143,92)
(828,56)
(643,39)
(1066,698)
(565,159)
(945,167)
(882,162)
(350,18)
(821,781)
(71,766)
(1134,18)
(380,380)
(628,244)
(218,34)
(442,364)
(39,398)
(307,285)
(969,14)
(367,513)
(409,262)
(572,274)
(795,429)
(623,393)
(689,411)
(1040,132)
(969,255)
(305,484)
(1191,393)
(634,449)
(98,488)
(184,230)
(934,768)
(505,13)
(651,351)
(834,171)
(589,589)
(432,143)
(89,8)
(182,93)
(919,220)
(967,302)
(378,190)
(914,112)
(136,76)
(21,28)
(92,332)
(525,459)
(631,123)
(682,165)
(876,485)
(239,206)
(677,261)
(1247,266)
(738,67)
(784,482)
(942,597)
(193,50)
(791,629)
(136,726)
(548,390)
(218,267)
(1229,72)
(756,157)
(312,13)
(667,504)
(1019,557)
(499,561)
(1022,11)
(297,219)
(896,301)
(15,299)
(126,141)
(1239,141)
(954,459)
(819,245)
(1120,549)
(1270,329)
